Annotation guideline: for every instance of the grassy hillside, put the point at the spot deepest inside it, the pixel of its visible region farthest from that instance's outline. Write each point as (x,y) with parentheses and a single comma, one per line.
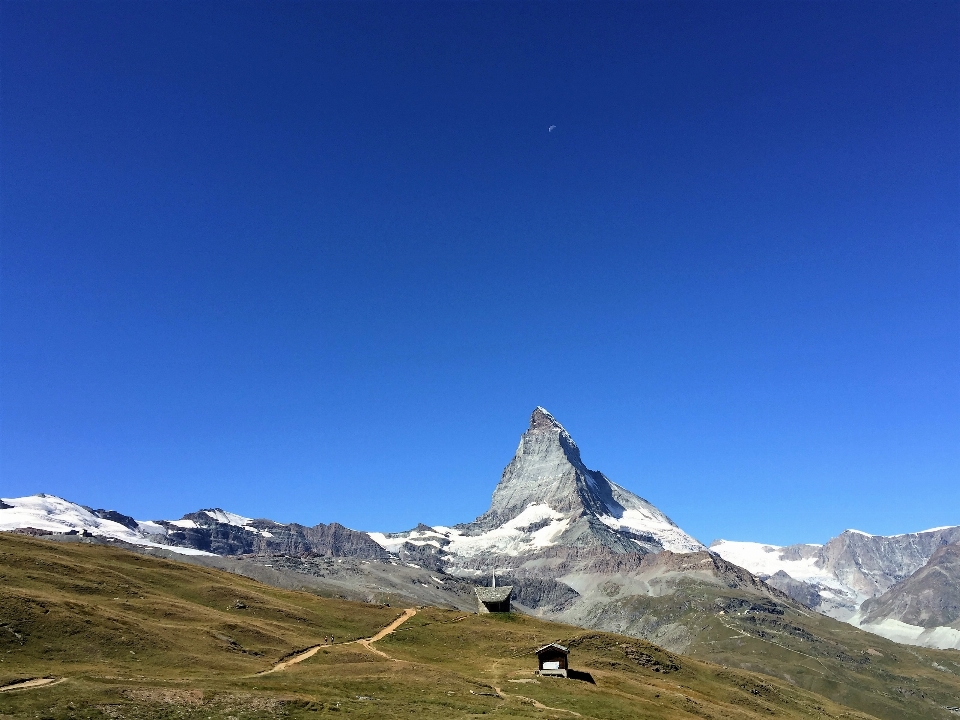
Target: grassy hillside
(135,636)
(802,647)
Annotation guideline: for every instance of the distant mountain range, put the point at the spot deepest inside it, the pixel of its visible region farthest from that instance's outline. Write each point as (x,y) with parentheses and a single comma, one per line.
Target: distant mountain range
(579,548)
(878,583)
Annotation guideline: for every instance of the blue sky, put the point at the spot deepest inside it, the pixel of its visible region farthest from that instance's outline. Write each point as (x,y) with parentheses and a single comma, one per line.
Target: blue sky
(318,261)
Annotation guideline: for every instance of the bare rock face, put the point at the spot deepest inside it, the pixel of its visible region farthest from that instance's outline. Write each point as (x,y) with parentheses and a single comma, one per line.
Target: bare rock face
(804,593)
(546,469)
(204,531)
(541,595)
(871,564)
(929,598)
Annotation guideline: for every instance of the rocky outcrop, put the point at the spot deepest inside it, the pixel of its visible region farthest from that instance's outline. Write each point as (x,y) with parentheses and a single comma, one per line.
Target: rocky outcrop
(425,556)
(804,593)
(540,594)
(545,469)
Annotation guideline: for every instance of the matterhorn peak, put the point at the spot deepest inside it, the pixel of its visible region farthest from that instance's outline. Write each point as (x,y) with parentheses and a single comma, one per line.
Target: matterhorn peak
(547,470)
(547,475)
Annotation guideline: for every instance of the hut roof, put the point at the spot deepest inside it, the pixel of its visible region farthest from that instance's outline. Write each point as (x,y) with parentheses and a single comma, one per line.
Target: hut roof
(558,646)
(494,594)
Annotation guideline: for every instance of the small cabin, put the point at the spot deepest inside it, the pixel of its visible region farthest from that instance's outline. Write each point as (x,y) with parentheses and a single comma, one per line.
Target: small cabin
(552,660)
(494,599)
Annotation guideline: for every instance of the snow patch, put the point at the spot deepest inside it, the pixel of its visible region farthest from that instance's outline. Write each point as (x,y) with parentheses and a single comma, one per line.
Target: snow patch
(149,527)
(184,523)
(899,535)
(929,530)
(228,518)
(511,538)
(391,542)
(644,521)
(942,637)
(763,559)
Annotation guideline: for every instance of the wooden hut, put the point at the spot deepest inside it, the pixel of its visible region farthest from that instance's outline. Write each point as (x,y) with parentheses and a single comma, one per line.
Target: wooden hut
(494,599)
(552,660)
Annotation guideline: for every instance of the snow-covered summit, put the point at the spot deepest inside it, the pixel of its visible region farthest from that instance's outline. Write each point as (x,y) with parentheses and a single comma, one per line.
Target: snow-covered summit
(547,497)
(547,469)
(55,515)
(900,535)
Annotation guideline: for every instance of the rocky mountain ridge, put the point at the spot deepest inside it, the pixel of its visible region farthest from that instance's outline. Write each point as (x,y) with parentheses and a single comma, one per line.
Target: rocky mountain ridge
(923,609)
(845,571)
(573,544)
(845,577)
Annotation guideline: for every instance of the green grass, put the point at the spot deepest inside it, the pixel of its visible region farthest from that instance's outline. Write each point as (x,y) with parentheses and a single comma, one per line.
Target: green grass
(831,658)
(139,637)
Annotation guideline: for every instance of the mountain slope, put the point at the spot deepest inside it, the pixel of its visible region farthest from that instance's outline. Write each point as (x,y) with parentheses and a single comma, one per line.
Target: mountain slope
(924,609)
(213,531)
(699,605)
(138,637)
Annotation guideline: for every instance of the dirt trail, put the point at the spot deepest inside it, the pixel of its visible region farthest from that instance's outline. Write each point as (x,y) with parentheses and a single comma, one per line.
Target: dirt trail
(538,705)
(366,642)
(294,659)
(24,684)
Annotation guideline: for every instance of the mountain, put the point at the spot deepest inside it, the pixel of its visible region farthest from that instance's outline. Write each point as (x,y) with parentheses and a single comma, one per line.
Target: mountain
(546,500)
(120,635)
(842,576)
(225,533)
(924,609)
(143,637)
(205,532)
(574,545)
(48,515)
